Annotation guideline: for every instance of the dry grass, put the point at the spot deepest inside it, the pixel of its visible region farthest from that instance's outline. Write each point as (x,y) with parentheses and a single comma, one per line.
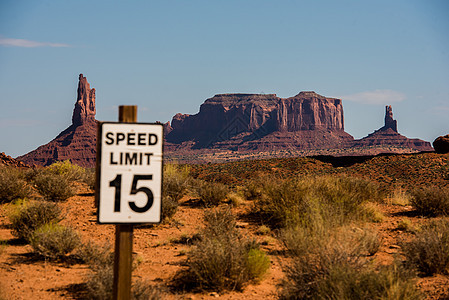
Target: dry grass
(335,265)
(303,201)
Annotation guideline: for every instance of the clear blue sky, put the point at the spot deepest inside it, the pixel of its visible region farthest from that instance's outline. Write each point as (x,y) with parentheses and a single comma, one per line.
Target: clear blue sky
(169,56)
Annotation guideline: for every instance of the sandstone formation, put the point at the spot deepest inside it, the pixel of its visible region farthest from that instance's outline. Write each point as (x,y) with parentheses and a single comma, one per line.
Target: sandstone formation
(76,143)
(84,111)
(441,144)
(259,122)
(388,136)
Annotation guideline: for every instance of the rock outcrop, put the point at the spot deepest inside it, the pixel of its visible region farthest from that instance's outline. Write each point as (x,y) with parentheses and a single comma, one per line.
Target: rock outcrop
(77,143)
(252,121)
(388,136)
(6,160)
(441,144)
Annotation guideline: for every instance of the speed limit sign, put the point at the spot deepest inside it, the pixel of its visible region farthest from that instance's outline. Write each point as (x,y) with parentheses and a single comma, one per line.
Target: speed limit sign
(130,172)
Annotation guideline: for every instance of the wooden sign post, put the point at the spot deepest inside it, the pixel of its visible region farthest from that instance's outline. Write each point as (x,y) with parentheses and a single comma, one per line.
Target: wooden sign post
(129,185)
(124,233)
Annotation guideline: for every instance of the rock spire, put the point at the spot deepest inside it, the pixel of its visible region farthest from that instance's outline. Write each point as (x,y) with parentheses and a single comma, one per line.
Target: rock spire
(84,110)
(389,121)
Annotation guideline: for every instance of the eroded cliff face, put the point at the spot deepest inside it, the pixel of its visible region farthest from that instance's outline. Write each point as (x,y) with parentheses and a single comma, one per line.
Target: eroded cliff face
(309,111)
(253,116)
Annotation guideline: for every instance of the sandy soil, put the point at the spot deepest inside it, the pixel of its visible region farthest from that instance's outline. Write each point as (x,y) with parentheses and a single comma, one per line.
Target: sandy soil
(22,276)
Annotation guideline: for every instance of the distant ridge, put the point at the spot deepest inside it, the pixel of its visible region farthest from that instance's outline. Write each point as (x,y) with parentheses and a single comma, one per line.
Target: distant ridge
(250,125)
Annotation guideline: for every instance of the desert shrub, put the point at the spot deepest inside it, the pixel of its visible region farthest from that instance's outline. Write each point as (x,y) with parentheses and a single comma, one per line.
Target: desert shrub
(305,201)
(175,181)
(95,255)
(89,178)
(54,241)
(13,185)
(143,291)
(253,190)
(68,170)
(27,216)
(334,265)
(222,259)
(169,207)
(428,251)
(53,186)
(431,201)
(100,283)
(211,193)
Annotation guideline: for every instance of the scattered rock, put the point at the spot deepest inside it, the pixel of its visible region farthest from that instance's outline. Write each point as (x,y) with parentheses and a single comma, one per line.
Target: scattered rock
(7,160)
(441,144)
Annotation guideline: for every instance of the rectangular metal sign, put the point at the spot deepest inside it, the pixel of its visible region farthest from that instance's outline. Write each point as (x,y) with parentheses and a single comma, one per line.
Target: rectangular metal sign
(130,172)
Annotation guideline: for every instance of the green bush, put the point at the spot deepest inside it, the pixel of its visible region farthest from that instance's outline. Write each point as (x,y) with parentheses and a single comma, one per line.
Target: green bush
(12,185)
(53,186)
(431,201)
(27,216)
(222,259)
(334,265)
(175,181)
(211,193)
(302,202)
(68,170)
(429,250)
(54,241)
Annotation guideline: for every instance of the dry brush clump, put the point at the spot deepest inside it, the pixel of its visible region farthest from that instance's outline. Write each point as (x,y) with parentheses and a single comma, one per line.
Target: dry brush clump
(222,259)
(176,181)
(303,201)
(431,201)
(100,282)
(428,251)
(54,241)
(211,193)
(13,185)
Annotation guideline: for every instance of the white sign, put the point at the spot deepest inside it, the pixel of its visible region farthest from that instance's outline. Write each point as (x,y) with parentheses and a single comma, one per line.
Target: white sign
(130,173)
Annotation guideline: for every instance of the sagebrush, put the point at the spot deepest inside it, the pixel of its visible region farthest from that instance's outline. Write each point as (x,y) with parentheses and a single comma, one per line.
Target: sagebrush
(13,185)
(27,216)
(54,241)
(222,259)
